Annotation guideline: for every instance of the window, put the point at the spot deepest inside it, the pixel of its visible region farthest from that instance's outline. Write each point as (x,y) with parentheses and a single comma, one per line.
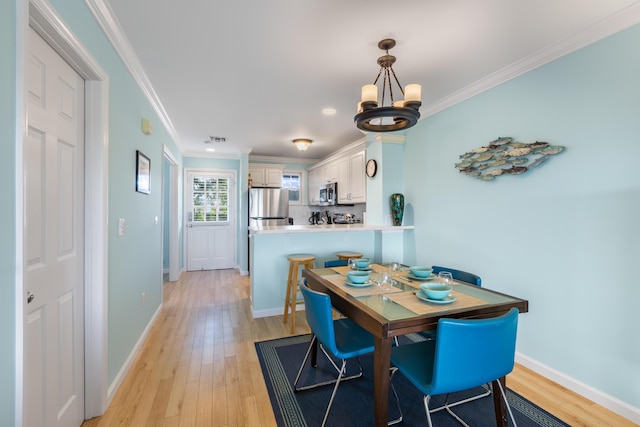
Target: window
(293,182)
(210,199)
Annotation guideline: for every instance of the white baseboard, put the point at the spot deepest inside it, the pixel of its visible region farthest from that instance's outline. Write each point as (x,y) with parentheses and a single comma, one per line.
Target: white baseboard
(611,403)
(115,385)
(271,311)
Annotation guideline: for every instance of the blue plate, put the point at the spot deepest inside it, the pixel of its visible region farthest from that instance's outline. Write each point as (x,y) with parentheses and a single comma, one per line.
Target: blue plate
(447,300)
(357,285)
(364,269)
(412,276)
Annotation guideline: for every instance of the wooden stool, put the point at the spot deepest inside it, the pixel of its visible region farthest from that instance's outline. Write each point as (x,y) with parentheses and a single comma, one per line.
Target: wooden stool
(347,255)
(291,301)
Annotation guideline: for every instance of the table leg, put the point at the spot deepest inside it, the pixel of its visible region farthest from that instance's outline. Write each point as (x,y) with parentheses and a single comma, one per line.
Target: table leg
(381,363)
(314,354)
(498,403)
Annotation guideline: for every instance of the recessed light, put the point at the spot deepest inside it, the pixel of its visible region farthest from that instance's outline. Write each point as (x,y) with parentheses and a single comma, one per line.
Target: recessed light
(211,150)
(329,111)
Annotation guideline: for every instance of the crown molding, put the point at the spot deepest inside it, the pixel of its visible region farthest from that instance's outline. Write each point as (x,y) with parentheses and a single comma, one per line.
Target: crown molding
(281,160)
(608,26)
(198,154)
(112,29)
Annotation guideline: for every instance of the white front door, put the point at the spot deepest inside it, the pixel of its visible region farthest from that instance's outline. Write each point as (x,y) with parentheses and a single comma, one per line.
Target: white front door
(211,231)
(53,392)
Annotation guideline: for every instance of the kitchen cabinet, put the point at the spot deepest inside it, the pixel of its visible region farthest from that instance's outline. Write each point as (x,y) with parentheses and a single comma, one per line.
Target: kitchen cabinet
(314,181)
(351,178)
(266,176)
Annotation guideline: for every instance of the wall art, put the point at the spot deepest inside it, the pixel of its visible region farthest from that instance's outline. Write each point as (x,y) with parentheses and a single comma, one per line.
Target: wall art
(143,171)
(504,156)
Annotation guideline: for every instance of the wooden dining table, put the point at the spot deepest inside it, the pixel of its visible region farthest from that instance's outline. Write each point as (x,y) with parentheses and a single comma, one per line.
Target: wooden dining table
(394,308)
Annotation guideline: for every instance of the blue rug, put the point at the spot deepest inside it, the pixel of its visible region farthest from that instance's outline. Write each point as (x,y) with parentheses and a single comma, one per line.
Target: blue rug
(353,406)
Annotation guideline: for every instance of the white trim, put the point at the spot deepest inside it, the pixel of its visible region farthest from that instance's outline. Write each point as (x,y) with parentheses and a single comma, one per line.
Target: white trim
(268,312)
(174,218)
(122,373)
(612,403)
(45,20)
(606,27)
(112,29)
(282,160)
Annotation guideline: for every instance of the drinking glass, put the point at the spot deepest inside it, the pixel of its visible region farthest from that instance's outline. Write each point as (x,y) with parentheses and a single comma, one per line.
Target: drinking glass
(352,264)
(445,278)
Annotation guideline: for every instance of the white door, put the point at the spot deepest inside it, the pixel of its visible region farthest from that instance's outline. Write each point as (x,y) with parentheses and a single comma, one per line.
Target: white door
(54,241)
(211,231)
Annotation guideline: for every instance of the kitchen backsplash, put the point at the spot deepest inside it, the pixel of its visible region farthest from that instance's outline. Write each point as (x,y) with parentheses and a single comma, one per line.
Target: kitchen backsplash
(301,214)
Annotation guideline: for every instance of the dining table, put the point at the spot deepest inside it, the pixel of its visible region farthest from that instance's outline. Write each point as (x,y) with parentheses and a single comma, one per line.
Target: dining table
(391,305)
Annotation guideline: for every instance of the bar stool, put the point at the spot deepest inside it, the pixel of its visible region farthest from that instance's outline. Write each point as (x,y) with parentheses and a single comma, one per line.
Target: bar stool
(348,254)
(291,301)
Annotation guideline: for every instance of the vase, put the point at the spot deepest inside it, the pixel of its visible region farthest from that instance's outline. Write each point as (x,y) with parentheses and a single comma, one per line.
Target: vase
(397,208)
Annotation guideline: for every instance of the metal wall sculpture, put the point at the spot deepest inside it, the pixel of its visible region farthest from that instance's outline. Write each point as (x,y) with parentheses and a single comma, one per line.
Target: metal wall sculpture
(504,156)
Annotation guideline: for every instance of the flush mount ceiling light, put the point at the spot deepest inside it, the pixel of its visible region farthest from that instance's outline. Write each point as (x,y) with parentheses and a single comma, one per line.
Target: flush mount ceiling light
(396,114)
(301,143)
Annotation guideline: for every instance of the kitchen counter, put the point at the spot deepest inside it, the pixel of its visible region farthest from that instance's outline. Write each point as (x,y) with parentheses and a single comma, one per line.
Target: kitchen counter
(308,228)
(270,246)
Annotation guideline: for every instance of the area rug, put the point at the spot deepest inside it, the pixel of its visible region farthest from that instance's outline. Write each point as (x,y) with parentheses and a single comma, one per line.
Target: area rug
(353,406)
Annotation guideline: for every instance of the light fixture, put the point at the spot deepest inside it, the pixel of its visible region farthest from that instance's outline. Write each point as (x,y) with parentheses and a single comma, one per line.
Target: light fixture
(301,143)
(395,115)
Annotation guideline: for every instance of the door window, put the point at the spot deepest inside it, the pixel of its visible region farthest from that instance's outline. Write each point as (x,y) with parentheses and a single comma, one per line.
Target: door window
(210,199)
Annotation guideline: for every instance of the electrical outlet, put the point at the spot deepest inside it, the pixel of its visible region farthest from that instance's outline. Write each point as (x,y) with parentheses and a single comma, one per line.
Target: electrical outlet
(143,299)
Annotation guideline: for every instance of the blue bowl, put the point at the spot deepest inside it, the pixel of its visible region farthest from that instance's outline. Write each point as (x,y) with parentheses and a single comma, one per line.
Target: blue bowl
(435,291)
(421,271)
(358,276)
(363,262)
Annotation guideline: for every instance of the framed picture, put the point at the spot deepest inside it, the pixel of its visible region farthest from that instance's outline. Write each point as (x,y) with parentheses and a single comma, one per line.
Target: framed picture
(143,169)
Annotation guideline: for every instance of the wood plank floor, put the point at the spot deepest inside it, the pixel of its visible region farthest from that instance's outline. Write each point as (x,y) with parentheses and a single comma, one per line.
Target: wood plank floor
(199,367)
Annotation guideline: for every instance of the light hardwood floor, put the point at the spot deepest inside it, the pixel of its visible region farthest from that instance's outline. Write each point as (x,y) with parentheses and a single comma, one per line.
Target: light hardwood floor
(199,367)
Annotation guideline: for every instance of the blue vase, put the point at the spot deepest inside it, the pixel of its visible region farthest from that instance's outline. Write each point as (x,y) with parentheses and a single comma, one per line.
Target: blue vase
(397,208)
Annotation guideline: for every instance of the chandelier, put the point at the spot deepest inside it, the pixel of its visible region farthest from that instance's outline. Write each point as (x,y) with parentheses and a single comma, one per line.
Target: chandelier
(396,114)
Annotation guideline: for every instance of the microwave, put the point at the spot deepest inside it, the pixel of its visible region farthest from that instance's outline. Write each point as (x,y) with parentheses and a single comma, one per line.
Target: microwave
(329,194)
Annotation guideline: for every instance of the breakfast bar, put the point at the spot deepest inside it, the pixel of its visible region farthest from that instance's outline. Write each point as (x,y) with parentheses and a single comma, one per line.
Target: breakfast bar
(270,246)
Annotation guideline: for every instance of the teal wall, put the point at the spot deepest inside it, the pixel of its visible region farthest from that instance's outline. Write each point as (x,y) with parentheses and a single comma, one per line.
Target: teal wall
(565,235)
(7,213)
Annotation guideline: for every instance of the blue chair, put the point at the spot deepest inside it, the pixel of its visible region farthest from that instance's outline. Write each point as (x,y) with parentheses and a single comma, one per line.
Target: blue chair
(342,339)
(336,263)
(465,354)
(460,275)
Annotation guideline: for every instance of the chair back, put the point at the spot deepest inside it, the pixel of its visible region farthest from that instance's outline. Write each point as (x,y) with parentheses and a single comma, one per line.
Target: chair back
(317,308)
(460,275)
(471,352)
(336,263)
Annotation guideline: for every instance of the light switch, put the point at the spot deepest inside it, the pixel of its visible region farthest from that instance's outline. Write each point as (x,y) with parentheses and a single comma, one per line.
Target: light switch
(121,227)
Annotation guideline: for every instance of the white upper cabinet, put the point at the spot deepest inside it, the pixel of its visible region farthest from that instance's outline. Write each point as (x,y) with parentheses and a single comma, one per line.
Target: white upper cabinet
(266,175)
(351,178)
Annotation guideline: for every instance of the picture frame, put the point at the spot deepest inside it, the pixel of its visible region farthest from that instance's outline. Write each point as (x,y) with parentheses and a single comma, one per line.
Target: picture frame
(143,173)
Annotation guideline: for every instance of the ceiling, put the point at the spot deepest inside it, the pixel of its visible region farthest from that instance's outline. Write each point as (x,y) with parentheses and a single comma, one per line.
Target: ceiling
(260,73)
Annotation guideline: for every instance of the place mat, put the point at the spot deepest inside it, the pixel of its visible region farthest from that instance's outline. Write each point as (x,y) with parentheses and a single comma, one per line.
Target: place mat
(355,291)
(410,301)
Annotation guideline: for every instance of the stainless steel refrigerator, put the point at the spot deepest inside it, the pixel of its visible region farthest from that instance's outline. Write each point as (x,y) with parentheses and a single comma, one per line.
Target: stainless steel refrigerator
(268,206)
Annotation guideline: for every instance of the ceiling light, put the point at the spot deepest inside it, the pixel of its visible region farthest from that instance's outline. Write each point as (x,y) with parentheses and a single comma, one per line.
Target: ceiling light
(211,150)
(329,111)
(302,144)
(396,114)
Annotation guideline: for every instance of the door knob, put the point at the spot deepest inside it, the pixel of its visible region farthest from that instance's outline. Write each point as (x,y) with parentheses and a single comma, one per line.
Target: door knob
(30,297)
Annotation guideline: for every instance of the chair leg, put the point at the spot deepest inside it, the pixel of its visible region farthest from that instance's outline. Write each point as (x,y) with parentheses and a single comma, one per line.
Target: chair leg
(335,389)
(504,396)
(341,372)
(395,394)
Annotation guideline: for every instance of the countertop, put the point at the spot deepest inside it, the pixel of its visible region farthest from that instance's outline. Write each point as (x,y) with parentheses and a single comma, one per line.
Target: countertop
(286,229)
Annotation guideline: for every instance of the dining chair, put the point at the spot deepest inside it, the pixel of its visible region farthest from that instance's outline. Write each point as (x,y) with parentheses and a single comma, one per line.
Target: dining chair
(465,354)
(459,275)
(341,338)
(336,263)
